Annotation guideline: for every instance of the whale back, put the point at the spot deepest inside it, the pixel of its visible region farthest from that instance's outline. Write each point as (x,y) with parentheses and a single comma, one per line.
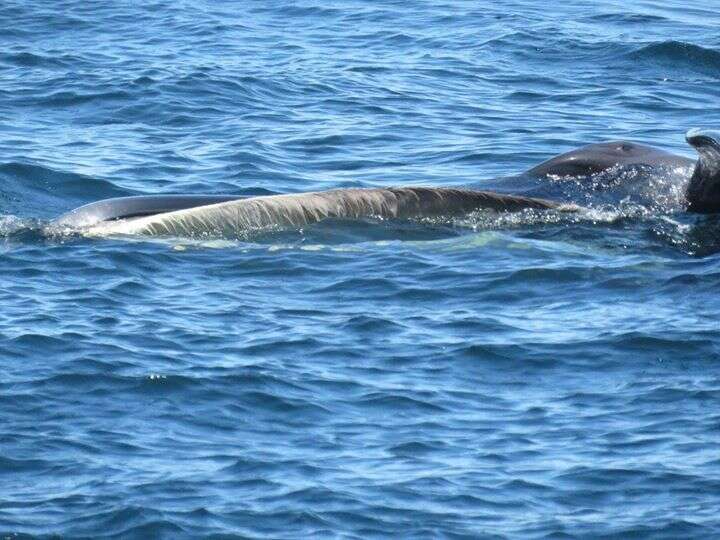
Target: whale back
(136,206)
(297,210)
(594,158)
(703,191)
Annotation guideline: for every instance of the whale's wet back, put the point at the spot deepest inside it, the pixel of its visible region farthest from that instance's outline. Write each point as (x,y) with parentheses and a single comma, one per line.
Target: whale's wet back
(598,165)
(595,158)
(134,207)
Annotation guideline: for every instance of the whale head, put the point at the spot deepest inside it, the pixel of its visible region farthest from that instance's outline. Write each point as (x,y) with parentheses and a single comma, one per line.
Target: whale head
(703,191)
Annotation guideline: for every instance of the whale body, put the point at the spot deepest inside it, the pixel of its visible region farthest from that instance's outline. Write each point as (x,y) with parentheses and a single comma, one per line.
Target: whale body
(189,215)
(594,158)
(301,209)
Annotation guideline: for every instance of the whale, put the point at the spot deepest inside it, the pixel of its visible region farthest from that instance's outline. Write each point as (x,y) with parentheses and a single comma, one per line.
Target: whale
(190,215)
(583,161)
(595,158)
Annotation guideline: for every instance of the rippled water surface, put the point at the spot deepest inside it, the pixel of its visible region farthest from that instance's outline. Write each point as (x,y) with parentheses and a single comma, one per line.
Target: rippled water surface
(502,376)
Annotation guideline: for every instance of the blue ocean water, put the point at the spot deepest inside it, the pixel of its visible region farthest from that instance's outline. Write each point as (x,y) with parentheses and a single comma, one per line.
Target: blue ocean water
(498,378)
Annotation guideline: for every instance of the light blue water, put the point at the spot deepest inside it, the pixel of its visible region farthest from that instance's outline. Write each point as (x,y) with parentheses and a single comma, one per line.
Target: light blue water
(499,378)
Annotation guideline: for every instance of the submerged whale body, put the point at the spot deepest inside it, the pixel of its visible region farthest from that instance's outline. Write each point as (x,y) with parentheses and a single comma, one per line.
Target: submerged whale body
(191,215)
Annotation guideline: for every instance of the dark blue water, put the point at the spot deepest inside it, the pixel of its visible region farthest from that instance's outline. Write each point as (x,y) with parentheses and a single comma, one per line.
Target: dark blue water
(497,378)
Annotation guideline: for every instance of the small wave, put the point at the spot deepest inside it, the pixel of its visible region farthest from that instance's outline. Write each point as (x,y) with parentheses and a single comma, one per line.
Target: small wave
(679,56)
(30,60)
(37,190)
(65,98)
(400,404)
(309,12)
(626,18)
(126,522)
